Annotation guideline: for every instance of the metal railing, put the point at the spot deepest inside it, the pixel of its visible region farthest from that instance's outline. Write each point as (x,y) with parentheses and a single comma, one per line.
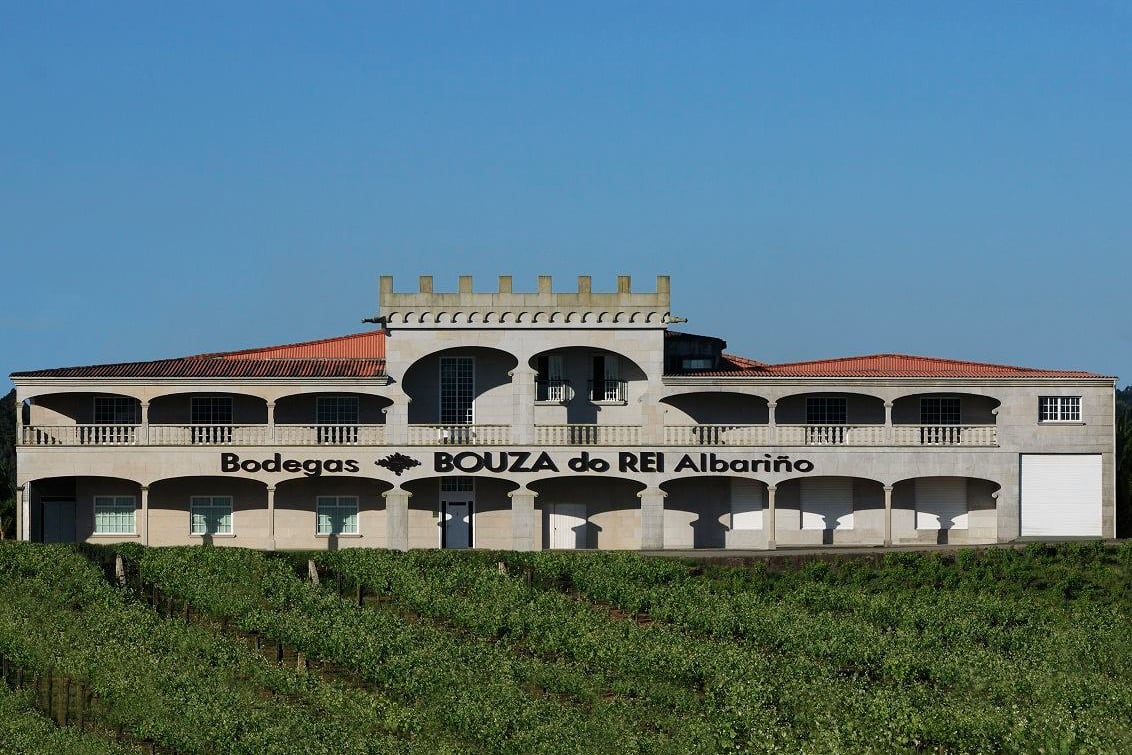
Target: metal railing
(459,435)
(609,390)
(554,391)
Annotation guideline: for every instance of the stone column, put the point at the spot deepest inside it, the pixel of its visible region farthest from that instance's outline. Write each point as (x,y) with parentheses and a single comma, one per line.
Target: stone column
(143,431)
(523,409)
(271,517)
(271,421)
(772,422)
(144,515)
(21,516)
(523,519)
(889,433)
(397,422)
(887,515)
(769,523)
(397,519)
(652,519)
(19,423)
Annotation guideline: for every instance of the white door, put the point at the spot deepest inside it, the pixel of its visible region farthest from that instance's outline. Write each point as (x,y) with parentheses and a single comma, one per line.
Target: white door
(941,503)
(1061,495)
(827,503)
(457,532)
(568,525)
(58,521)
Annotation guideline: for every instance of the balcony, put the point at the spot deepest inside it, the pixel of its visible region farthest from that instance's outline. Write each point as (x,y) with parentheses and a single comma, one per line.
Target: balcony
(945,435)
(587,435)
(553,391)
(81,435)
(330,435)
(831,435)
(608,391)
(459,435)
(716,435)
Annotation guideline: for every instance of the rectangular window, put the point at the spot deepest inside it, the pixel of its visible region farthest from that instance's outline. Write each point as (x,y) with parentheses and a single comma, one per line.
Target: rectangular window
(212,410)
(457,390)
(1059,409)
(939,411)
(115,410)
(337,515)
(337,410)
(210,515)
(825,410)
(550,384)
(114,514)
(607,384)
(457,484)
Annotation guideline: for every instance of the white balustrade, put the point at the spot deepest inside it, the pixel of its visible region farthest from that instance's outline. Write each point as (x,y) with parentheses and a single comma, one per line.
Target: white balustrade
(945,435)
(831,435)
(587,435)
(716,435)
(80,435)
(459,435)
(209,435)
(329,435)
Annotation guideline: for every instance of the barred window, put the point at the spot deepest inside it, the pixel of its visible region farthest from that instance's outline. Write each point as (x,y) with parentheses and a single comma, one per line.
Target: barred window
(337,410)
(457,391)
(115,410)
(210,515)
(939,411)
(337,515)
(212,410)
(114,514)
(458,484)
(1059,409)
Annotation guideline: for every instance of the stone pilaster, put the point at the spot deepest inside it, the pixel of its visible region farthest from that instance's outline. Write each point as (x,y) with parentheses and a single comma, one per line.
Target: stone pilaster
(523,519)
(397,519)
(652,519)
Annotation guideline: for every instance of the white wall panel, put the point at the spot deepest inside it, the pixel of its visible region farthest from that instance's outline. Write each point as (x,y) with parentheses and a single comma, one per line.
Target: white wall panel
(941,503)
(746,504)
(827,503)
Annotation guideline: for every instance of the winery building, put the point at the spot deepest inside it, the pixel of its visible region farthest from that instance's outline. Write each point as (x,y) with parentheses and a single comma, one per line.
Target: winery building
(554,419)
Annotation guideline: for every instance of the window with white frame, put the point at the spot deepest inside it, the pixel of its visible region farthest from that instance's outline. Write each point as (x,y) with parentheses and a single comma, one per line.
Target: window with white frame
(210,515)
(1059,408)
(337,515)
(457,391)
(114,514)
(941,410)
(115,410)
(825,410)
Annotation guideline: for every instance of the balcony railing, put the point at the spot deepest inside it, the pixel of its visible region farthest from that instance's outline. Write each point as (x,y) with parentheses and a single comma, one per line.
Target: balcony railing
(554,391)
(459,435)
(945,435)
(716,435)
(80,435)
(330,435)
(209,435)
(588,435)
(612,391)
(831,435)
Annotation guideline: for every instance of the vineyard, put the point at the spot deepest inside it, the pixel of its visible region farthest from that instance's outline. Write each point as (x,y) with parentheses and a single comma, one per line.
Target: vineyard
(201,650)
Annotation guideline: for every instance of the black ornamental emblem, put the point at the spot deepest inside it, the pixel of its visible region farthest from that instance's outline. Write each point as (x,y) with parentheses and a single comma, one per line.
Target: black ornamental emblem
(397,463)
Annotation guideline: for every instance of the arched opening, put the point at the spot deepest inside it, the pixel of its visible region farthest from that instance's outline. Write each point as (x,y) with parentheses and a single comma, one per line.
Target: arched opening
(82,419)
(209,509)
(331,418)
(581,388)
(207,418)
(943,509)
(830,419)
(460,511)
(715,512)
(579,511)
(85,508)
(461,396)
(330,512)
(829,510)
(945,419)
(715,418)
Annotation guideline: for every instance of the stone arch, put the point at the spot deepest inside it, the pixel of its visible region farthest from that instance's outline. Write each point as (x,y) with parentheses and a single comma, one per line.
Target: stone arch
(604,510)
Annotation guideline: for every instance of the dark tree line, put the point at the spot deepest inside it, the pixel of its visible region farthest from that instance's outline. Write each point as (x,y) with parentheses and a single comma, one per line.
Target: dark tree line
(8,465)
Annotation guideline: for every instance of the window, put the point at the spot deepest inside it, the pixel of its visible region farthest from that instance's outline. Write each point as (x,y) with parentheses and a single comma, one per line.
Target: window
(115,410)
(698,363)
(457,390)
(550,385)
(825,410)
(337,418)
(213,415)
(458,484)
(1059,409)
(607,384)
(337,515)
(210,515)
(114,514)
(939,411)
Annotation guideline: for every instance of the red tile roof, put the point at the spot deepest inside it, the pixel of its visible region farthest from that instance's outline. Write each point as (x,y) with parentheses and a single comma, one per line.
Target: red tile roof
(357,355)
(881,365)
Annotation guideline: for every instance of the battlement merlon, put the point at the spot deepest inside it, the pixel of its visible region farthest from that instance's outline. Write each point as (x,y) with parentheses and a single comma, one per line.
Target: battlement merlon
(505,308)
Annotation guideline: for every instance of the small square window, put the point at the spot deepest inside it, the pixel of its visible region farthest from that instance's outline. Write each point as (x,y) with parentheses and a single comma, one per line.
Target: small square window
(210,515)
(337,515)
(114,514)
(1059,409)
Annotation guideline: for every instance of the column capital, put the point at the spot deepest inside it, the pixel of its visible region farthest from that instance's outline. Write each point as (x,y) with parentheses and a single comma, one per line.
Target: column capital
(396,493)
(656,492)
(522,492)
(888,488)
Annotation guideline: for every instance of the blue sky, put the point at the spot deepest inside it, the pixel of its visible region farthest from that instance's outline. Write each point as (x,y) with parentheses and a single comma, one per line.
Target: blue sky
(820,179)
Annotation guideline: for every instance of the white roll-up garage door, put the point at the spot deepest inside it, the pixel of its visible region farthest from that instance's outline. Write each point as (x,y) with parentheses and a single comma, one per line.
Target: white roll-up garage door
(1061,494)
(827,503)
(941,503)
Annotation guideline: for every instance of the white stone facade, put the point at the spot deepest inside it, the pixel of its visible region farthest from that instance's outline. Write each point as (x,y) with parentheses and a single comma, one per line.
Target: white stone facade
(550,419)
